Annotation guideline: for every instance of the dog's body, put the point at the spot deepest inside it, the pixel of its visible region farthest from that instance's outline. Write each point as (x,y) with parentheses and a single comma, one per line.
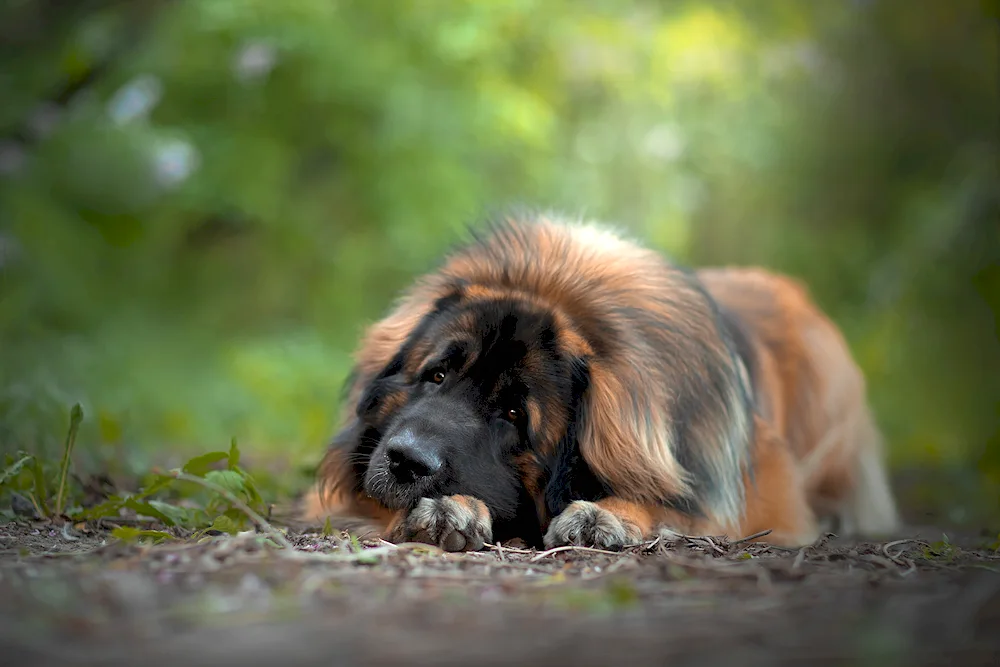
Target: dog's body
(558,383)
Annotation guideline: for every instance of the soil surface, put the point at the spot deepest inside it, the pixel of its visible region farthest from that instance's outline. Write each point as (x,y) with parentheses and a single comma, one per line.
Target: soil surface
(76,596)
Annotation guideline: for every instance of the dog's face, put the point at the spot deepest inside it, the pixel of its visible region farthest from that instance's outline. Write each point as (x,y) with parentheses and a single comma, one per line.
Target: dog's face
(477,396)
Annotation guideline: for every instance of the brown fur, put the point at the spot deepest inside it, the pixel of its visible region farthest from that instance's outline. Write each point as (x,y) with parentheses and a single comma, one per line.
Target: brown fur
(796,445)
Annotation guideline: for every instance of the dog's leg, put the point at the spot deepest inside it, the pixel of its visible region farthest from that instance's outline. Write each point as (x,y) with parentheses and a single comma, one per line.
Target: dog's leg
(776,498)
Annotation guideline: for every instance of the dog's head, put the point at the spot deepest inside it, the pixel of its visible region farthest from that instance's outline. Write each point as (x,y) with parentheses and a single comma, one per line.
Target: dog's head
(474,402)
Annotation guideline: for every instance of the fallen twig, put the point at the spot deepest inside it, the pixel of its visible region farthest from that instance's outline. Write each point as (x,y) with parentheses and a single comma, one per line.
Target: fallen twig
(508,550)
(419,546)
(899,559)
(889,545)
(711,543)
(649,546)
(750,537)
(116,522)
(800,558)
(571,547)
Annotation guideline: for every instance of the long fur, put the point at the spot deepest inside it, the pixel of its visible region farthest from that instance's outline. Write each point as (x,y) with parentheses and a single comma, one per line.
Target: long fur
(719,400)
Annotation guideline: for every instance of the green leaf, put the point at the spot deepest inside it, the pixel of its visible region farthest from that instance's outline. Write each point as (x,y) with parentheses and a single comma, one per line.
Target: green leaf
(145,509)
(108,509)
(239,517)
(225,524)
(229,480)
(129,534)
(327,528)
(113,505)
(165,512)
(14,469)
(253,494)
(200,465)
(178,516)
(196,517)
(159,483)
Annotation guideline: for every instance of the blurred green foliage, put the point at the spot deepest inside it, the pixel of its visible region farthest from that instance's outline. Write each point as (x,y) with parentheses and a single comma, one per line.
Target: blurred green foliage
(202,202)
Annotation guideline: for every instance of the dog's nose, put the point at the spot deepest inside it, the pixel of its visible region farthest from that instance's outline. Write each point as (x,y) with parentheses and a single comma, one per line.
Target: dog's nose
(411,458)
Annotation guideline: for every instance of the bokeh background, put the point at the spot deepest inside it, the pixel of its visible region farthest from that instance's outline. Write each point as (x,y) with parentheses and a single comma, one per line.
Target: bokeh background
(202,202)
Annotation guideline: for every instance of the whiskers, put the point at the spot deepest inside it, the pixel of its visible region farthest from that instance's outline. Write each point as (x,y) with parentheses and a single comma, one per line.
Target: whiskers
(343,472)
(378,482)
(356,458)
(366,472)
(382,485)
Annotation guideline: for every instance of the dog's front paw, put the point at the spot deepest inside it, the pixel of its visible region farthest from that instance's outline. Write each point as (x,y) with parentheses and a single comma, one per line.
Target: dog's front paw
(454,523)
(587,524)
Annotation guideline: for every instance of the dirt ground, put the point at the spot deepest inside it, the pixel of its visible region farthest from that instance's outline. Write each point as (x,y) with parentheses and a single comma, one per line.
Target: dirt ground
(76,596)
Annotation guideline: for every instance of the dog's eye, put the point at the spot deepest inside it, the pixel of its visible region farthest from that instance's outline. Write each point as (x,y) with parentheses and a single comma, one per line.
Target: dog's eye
(437,377)
(513,415)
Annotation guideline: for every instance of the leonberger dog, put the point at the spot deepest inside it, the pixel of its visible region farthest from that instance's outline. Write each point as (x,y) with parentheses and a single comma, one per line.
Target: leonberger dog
(560,383)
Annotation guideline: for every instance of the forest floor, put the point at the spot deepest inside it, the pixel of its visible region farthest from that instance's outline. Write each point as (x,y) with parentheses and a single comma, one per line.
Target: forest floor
(73,595)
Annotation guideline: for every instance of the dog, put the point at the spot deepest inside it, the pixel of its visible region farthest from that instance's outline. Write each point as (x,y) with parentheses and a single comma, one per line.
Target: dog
(560,383)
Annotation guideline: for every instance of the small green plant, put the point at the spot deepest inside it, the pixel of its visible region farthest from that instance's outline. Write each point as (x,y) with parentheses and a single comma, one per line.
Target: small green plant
(942,550)
(204,497)
(130,535)
(211,491)
(31,477)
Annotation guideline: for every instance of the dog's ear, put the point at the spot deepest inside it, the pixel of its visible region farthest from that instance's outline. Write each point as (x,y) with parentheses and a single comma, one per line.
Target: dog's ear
(341,469)
(569,476)
(368,400)
(677,439)
(338,492)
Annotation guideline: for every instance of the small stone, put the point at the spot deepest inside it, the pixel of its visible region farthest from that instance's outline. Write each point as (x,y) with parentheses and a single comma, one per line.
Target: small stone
(21,506)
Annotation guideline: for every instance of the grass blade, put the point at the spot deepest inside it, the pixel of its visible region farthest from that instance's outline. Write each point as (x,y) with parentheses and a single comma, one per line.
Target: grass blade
(75,417)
